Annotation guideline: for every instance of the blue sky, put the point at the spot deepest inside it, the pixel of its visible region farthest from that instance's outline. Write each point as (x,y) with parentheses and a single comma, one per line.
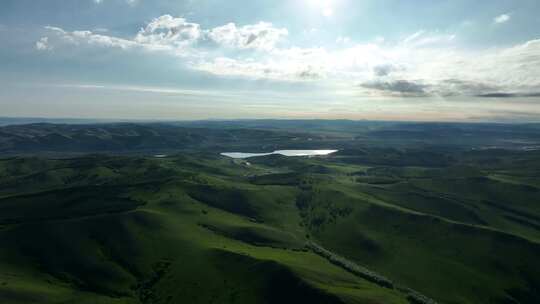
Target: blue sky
(363,59)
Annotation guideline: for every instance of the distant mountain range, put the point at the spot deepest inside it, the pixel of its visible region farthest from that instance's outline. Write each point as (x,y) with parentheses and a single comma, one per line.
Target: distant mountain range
(257,136)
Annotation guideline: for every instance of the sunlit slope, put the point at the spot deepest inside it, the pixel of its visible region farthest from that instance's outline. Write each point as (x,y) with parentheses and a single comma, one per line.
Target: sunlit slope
(128,230)
(455,232)
(207,229)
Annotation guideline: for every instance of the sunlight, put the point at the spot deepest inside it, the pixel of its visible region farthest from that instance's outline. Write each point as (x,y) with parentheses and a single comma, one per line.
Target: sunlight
(327,11)
(325,7)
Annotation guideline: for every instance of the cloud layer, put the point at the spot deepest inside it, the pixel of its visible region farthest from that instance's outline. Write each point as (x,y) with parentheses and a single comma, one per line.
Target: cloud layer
(425,63)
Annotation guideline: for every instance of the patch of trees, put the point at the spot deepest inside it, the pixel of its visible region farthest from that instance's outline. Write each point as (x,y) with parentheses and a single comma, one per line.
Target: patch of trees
(317,210)
(351,266)
(413,296)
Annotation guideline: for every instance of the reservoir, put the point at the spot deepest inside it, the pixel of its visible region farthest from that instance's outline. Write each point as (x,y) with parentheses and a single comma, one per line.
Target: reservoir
(241,155)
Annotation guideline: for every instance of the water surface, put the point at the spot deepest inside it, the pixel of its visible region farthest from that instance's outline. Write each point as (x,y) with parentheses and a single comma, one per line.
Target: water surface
(280,152)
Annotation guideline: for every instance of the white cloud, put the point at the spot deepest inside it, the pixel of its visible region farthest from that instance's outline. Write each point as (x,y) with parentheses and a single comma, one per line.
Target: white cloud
(343,40)
(423,38)
(502,19)
(430,60)
(88,38)
(142,89)
(183,38)
(43,44)
(169,33)
(261,36)
(288,69)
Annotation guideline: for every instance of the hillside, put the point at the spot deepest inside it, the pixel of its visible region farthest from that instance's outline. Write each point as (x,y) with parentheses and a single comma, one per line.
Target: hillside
(260,136)
(369,224)
(108,229)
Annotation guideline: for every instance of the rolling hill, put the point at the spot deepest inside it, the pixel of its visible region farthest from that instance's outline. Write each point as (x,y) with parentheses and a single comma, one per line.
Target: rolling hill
(369,224)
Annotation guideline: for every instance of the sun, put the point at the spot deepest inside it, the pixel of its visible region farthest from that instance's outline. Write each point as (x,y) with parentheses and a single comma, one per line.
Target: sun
(325,7)
(327,12)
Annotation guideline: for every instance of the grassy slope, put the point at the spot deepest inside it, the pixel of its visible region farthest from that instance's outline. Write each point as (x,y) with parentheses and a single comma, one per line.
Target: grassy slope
(151,242)
(212,230)
(434,232)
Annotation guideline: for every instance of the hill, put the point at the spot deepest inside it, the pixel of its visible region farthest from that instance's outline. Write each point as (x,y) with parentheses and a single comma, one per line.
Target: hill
(369,224)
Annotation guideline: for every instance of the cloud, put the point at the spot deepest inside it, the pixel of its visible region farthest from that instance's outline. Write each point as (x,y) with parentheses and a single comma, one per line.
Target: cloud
(250,68)
(283,67)
(43,44)
(385,69)
(423,64)
(501,19)
(343,40)
(87,38)
(261,36)
(177,35)
(442,88)
(310,72)
(144,89)
(424,38)
(509,95)
(169,33)
(457,87)
(177,32)
(398,87)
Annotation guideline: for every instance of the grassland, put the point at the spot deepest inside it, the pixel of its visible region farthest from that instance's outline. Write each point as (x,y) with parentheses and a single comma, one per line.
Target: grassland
(369,224)
(111,232)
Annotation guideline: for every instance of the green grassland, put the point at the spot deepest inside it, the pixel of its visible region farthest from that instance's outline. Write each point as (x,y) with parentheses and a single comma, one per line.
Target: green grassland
(199,228)
(134,230)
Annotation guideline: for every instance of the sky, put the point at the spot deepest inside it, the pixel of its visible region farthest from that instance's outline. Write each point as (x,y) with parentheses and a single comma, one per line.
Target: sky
(417,60)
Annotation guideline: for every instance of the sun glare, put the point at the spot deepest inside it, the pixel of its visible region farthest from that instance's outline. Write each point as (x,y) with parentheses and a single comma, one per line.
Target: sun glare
(327,11)
(325,7)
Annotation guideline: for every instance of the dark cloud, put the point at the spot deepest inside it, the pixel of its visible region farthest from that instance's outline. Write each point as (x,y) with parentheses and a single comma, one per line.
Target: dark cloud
(508,95)
(252,37)
(458,87)
(309,73)
(446,88)
(398,87)
(453,87)
(383,70)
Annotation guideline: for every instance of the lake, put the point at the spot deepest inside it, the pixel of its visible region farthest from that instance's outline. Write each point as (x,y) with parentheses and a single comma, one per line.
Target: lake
(241,155)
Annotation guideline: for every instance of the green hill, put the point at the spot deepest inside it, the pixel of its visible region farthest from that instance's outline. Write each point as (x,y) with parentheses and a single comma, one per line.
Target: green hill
(153,232)
(366,225)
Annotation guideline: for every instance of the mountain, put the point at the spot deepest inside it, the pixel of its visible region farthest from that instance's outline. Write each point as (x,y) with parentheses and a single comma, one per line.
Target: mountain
(259,136)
